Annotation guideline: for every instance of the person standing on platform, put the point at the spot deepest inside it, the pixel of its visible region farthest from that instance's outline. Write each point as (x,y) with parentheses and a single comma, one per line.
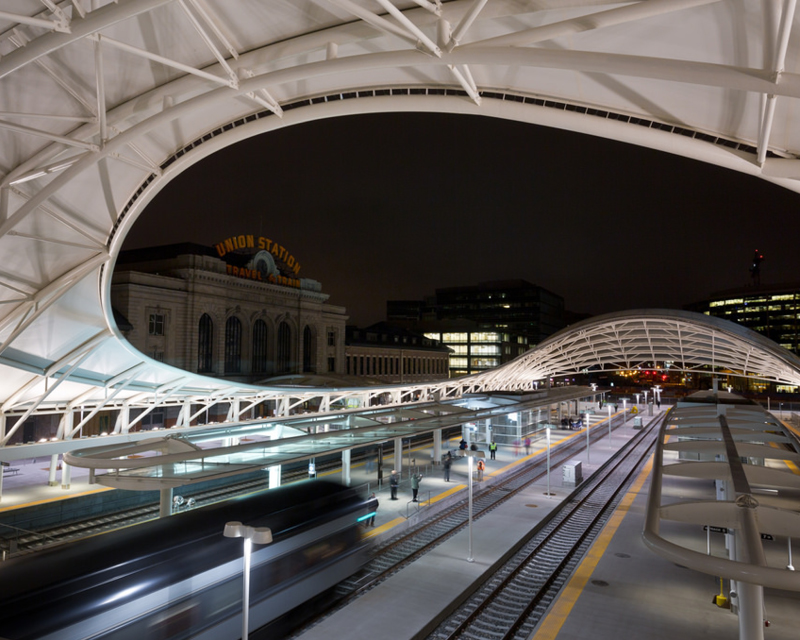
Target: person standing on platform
(394,482)
(462,447)
(527,446)
(374,506)
(481,467)
(415,479)
(492,450)
(448,461)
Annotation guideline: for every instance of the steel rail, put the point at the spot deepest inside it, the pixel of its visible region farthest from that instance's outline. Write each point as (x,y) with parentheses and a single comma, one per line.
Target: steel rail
(415,542)
(505,605)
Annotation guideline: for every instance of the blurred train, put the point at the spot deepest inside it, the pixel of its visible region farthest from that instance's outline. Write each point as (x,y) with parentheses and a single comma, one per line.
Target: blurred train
(179,577)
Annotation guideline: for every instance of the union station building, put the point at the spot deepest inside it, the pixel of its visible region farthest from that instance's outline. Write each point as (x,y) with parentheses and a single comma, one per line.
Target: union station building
(238,310)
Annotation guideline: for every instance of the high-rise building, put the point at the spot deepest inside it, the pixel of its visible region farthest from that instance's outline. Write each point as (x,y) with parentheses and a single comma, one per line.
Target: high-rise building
(771,310)
(486,324)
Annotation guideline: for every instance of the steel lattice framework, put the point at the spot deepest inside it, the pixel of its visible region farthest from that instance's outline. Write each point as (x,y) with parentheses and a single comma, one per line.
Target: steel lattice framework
(103,102)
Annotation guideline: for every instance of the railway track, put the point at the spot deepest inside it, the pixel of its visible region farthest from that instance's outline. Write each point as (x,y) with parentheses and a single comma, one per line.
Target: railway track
(513,600)
(20,541)
(409,546)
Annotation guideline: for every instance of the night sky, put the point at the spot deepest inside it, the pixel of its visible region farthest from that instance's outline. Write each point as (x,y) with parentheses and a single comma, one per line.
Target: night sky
(385,207)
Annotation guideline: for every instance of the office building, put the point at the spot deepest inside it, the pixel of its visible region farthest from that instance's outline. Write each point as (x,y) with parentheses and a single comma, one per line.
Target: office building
(484,325)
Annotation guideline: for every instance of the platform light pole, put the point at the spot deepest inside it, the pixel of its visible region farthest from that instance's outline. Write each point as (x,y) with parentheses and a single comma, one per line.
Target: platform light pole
(251,535)
(609,425)
(624,411)
(470,456)
(588,459)
(548,470)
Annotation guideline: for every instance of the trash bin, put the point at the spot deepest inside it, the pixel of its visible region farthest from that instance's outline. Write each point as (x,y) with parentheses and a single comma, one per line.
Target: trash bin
(571,473)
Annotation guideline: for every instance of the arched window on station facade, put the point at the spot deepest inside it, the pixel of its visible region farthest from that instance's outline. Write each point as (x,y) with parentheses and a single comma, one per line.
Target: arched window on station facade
(308,349)
(233,345)
(284,358)
(205,344)
(260,347)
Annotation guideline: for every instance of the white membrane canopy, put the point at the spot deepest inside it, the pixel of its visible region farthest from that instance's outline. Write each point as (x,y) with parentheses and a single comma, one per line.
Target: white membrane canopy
(102,103)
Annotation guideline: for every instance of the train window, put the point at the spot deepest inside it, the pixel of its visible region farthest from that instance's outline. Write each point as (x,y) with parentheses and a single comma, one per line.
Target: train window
(176,621)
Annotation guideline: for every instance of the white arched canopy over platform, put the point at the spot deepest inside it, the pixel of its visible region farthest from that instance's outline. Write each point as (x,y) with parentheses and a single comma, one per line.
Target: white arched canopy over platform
(103,102)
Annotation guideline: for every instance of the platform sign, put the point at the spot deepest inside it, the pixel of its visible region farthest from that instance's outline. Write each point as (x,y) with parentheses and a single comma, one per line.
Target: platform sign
(716,529)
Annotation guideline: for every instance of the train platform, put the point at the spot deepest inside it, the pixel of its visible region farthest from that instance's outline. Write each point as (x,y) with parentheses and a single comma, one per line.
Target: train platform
(620,588)
(27,484)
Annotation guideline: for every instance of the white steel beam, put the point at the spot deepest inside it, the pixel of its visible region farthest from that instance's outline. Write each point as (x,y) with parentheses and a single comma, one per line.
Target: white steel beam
(434,7)
(204,13)
(599,20)
(769,100)
(101,90)
(413,29)
(28,312)
(42,23)
(96,244)
(47,116)
(382,24)
(167,62)
(97,20)
(466,22)
(71,142)
(209,42)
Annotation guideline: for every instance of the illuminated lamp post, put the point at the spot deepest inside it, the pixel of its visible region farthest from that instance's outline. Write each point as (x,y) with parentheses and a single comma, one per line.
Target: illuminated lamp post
(471,455)
(251,535)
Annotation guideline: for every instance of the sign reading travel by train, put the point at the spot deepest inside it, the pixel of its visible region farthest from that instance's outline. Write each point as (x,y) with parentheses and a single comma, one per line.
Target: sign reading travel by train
(270,262)
(258,244)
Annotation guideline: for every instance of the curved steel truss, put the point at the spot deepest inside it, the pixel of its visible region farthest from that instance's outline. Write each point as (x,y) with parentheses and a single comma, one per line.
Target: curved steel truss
(676,340)
(102,103)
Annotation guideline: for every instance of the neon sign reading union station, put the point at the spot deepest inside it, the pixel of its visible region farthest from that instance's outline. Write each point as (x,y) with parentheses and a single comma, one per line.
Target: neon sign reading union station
(271,262)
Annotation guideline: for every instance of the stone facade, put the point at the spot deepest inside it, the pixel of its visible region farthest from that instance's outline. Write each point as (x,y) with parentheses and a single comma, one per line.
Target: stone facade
(394,355)
(187,311)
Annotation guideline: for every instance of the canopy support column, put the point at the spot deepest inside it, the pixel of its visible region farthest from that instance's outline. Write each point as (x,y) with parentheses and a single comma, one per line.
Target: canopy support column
(437,445)
(398,455)
(165,505)
(346,467)
(275,476)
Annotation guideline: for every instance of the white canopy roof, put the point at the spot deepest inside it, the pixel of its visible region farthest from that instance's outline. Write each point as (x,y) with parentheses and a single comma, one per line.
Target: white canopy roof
(102,103)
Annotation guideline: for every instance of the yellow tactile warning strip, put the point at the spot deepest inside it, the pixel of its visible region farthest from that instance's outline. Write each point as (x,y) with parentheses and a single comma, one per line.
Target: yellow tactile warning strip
(511,465)
(460,487)
(374,531)
(792,466)
(54,499)
(555,619)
